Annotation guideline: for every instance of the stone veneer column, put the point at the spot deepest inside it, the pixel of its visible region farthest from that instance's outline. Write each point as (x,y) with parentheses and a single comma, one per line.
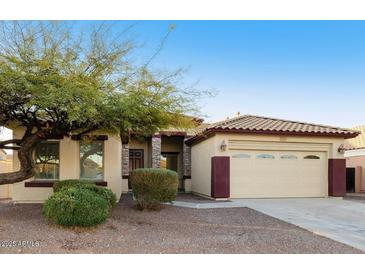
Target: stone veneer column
(186,160)
(125,160)
(156,151)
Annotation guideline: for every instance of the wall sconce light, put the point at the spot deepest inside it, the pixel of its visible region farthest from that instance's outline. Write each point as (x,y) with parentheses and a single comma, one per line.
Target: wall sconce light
(341,149)
(223,145)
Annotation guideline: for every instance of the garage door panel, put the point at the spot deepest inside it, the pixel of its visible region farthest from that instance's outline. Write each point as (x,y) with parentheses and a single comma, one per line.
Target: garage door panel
(288,176)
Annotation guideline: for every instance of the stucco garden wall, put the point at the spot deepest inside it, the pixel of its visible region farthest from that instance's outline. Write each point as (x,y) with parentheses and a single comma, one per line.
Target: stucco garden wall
(359,163)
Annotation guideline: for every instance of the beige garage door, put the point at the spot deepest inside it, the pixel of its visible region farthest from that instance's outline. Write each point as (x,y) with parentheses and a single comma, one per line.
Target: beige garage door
(268,174)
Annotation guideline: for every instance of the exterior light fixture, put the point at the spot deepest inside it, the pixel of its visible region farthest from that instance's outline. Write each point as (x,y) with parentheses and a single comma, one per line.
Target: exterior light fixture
(223,145)
(341,149)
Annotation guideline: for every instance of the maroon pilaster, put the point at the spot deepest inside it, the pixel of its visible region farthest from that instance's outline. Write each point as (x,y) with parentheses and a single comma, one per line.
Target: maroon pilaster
(220,177)
(336,177)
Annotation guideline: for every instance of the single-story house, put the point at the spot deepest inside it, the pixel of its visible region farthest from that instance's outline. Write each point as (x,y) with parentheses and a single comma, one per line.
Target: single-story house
(355,161)
(243,157)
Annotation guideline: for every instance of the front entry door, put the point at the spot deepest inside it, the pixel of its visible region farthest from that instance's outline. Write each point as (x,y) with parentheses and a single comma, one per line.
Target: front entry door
(136,160)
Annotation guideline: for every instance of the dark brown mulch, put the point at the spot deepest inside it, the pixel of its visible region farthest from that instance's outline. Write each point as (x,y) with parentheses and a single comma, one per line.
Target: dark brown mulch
(170,230)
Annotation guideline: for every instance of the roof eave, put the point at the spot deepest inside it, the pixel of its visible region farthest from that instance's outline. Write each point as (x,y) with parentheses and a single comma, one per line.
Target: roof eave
(209,132)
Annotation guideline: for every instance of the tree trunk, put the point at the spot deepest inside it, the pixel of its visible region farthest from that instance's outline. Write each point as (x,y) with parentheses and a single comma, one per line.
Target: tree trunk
(84,157)
(25,156)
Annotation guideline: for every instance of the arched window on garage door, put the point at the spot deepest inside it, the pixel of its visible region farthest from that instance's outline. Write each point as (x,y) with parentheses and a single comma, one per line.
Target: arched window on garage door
(265,156)
(288,157)
(241,156)
(312,157)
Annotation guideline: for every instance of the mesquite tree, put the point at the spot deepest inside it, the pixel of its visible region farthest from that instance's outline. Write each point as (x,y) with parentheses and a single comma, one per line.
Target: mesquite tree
(56,82)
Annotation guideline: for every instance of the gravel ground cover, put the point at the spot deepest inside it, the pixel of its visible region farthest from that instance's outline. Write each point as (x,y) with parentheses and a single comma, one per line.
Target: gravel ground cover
(187,197)
(170,230)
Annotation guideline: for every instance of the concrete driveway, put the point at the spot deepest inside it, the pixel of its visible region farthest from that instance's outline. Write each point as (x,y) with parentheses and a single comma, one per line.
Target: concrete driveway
(335,218)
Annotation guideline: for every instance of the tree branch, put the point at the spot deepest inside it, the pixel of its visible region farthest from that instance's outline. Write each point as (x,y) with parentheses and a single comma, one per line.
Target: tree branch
(3,144)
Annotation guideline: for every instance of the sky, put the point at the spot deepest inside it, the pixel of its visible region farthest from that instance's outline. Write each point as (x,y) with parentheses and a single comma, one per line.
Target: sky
(312,71)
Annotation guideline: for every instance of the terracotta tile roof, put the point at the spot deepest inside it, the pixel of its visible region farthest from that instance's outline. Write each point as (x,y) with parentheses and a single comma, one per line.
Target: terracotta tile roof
(265,125)
(198,129)
(198,122)
(357,142)
(183,131)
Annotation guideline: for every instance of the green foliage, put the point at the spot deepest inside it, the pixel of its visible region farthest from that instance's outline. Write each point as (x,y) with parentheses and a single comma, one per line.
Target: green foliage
(152,186)
(103,192)
(106,193)
(76,207)
(64,184)
(55,81)
(69,85)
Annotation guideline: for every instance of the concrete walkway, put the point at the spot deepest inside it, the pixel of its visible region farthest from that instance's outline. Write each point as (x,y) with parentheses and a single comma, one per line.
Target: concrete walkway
(335,218)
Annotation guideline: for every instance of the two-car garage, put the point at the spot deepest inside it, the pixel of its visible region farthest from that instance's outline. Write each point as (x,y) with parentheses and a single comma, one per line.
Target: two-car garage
(259,157)
(267,174)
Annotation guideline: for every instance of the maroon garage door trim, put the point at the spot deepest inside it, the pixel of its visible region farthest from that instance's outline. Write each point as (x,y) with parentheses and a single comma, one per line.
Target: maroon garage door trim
(220,177)
(337,177)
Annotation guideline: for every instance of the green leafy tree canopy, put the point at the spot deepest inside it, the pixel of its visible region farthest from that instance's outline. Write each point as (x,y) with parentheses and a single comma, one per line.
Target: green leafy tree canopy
(54,81)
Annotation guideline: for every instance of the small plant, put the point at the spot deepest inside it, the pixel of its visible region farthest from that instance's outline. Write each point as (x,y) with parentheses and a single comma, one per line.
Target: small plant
(58,186)
(76,206)
(152,186)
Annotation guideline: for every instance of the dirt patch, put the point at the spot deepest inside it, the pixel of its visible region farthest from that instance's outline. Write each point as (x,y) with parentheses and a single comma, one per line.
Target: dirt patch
(170,230)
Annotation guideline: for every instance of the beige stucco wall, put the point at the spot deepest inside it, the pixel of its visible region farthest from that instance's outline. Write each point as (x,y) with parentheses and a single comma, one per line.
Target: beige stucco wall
(6,165)
(201,155)
(358,161)
(187,185)
(70,168)
(203,151)
(329,145)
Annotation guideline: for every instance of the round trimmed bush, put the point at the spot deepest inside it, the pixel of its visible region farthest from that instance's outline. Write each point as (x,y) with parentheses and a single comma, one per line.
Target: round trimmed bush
(152,186)
(76,206)
(90,185)
(58,186)
(106,193)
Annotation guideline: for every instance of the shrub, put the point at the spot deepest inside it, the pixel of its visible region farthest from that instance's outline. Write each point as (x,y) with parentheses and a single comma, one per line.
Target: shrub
(76,206)
(70,183)
(151,186)
(90,185)
(106,193)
